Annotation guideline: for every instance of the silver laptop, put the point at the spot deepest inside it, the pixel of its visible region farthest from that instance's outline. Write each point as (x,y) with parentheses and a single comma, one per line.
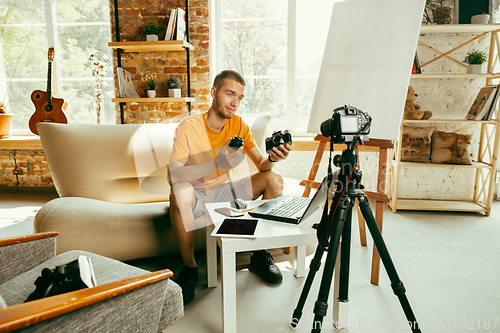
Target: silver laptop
(291,209)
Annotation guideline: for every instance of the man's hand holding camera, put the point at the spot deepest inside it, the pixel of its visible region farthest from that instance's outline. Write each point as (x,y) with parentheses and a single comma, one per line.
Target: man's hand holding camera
(280,153)
(231,154)
(279,145)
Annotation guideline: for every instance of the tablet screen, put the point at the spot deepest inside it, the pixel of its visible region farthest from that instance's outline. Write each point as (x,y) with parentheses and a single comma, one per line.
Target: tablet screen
(244,227)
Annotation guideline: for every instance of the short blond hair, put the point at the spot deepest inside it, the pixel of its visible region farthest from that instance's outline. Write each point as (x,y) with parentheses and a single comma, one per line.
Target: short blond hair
(228,74)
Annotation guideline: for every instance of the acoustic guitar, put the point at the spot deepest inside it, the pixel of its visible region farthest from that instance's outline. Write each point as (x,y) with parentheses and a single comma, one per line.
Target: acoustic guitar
(47,108)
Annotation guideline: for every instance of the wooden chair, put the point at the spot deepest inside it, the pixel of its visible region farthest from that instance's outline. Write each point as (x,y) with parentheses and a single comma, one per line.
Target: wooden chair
(376,145)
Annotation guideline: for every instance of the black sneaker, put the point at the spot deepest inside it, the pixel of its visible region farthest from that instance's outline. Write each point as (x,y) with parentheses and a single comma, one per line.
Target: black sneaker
(263,265)
(187,281)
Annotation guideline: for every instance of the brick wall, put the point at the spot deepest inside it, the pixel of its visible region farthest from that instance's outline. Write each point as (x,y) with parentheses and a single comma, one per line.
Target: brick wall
(28,168)
(133,15)
(24,168)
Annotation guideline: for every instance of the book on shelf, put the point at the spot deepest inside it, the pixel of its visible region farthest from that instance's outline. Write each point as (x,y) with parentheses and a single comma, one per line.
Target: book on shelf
(121,81)
(125,86)
(482,103)
(416,65)
(171,24)
(180,33)
(493,106)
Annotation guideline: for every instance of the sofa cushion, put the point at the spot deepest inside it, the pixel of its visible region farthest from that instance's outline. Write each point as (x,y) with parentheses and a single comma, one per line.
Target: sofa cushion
(118,231)
(99,161)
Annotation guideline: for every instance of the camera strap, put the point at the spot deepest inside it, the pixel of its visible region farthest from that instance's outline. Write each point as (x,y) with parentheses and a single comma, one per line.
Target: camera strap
(323,233)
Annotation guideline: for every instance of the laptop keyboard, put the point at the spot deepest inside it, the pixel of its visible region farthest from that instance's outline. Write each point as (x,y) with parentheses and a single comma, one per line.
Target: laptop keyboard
(290,207)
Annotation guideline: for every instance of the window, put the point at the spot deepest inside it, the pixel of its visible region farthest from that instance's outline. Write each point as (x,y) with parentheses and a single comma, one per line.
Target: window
(278,47)
(75,28)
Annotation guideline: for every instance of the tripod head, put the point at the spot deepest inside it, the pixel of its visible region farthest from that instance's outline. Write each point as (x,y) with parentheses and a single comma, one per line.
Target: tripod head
(347,183)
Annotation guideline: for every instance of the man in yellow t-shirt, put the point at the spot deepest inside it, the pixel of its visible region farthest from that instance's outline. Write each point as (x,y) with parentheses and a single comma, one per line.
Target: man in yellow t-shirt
(199,166)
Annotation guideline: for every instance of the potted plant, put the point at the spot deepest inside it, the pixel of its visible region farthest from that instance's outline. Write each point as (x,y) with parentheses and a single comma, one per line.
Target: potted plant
(5,122)
(150,80)
(441,14)
(152,31)
(174,85)
(476,61)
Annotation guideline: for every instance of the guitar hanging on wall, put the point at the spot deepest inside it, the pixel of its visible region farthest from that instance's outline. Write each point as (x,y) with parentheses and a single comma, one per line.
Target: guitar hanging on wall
(47,108)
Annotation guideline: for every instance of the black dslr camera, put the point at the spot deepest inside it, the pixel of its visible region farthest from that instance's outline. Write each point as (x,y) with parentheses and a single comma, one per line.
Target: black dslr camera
(346,123)
(236,143)
(278,138)
(65,278)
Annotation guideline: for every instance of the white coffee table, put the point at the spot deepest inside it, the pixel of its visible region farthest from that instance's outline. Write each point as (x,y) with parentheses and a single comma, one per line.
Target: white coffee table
(272,235)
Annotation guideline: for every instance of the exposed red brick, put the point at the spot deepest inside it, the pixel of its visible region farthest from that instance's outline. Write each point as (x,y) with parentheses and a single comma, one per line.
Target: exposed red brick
(200,70)
(202,62)
(125,4)
(202,30)
(131,12)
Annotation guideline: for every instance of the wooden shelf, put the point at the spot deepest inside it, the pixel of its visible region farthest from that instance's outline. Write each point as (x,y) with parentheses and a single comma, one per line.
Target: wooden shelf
(489,130)
(455,76)
(21,142)
(439,205)
(145,46)
(474,165)
(407,121)
(463,28)
(155,100)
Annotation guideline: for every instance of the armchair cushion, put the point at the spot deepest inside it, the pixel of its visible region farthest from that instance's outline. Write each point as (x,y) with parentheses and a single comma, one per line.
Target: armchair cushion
(151,308)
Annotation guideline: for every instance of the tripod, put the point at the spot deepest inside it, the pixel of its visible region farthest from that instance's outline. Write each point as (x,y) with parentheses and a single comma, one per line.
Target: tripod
(337,224)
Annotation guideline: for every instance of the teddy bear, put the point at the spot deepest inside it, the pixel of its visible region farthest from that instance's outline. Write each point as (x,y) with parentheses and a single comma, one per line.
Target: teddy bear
(412,110)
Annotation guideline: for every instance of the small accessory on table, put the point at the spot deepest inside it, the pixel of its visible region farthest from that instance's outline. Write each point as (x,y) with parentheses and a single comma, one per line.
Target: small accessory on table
(228,211)
(239,228)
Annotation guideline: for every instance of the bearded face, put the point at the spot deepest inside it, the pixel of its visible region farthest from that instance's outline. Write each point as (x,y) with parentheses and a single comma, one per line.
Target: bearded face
(227,98)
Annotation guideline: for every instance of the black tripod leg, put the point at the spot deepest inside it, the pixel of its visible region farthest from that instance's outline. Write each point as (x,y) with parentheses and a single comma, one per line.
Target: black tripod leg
(321,305)
(313,268)
(345,253)
(396,284)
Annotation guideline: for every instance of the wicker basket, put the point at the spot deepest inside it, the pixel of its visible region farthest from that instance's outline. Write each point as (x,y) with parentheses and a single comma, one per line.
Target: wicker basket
(441,15)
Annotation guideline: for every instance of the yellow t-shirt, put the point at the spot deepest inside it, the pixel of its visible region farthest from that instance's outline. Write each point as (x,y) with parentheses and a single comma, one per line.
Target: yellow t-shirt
(195,143)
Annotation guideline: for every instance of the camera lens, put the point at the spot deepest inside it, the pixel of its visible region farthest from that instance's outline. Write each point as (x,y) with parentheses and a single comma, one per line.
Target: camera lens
(236,143)
(326,128)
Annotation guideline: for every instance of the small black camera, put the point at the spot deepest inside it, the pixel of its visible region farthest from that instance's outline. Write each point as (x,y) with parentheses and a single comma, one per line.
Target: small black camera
(278,138)
(346,123)
(236,143)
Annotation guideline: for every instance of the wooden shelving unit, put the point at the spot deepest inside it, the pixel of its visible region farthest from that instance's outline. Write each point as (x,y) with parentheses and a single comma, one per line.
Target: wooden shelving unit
(456,76)
(153,46)
(485,164)
(156,46)
(155,100)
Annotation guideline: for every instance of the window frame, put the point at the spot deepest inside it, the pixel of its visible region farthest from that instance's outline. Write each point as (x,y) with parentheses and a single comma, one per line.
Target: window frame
(291,75)
(51,27)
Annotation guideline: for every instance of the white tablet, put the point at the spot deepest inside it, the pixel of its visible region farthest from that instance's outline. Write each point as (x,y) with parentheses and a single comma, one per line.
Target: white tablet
(239,228)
